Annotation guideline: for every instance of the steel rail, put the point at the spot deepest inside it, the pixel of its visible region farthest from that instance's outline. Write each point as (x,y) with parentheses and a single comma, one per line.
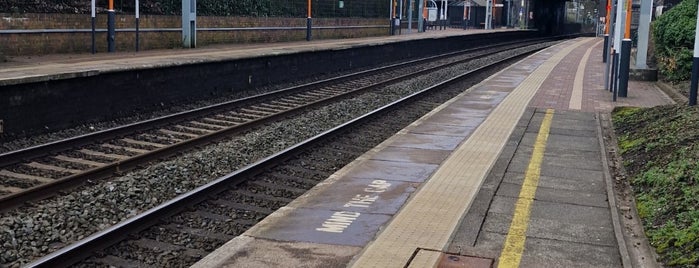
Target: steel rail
(84,248)
(48,189)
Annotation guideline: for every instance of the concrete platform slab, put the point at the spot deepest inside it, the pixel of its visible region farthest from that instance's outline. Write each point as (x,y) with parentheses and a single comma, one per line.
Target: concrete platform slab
(565,161)
(430,142)
(593,185)
(565,213)
(447,130)
(412,155)
(360,195)
(321,226)
(554,230)
(558,196)
(394,171)
(245,251)
(559,170)
(555,253)
(567,142)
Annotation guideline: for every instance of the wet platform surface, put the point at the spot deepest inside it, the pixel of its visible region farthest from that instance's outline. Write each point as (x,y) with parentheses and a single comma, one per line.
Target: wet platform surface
(445,190)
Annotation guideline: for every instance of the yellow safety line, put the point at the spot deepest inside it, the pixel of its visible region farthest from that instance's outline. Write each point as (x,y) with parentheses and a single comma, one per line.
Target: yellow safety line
(514,243)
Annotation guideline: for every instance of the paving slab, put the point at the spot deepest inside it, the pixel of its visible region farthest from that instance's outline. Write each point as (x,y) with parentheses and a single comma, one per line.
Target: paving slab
(254,253)
(465,128)
(563,161)
(360,195)
(554,230)
(321,226)
(591,185)
(425,141)
(555,253)
(557,195)
(394,171)
(411,155)
(566,213)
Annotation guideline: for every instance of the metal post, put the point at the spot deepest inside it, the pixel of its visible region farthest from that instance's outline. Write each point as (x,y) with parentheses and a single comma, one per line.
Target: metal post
(695,67)
(446,14)
(94,49)
(488,14)
(612,15)
(189,23)
(308,22)
(625,54)
(410,15)
(509,10)
(111,25)
(643,29)
(421,19)
(137,25)
(615,60)
(607,17)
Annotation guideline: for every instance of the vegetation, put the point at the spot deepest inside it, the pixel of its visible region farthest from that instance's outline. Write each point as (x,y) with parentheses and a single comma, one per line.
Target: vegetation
(660,148)
(673,34)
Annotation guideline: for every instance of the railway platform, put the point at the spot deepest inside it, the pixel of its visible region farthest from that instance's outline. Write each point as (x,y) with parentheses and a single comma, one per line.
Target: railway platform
(512,172)
(30,69)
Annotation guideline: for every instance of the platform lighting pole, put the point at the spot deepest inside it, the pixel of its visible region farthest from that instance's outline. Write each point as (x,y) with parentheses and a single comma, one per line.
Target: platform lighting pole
(137,25)
(111,25)
(93,26)
(695,66)
(625,60)
(308,22)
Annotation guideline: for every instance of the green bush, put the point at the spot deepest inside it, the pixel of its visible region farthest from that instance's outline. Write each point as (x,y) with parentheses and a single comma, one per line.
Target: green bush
(673,34)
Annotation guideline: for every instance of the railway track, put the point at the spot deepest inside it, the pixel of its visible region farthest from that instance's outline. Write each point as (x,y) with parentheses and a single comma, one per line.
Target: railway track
(41,171)
(183,230)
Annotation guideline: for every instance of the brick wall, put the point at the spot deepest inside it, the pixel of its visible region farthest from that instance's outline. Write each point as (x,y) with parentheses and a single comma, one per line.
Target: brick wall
(50,43)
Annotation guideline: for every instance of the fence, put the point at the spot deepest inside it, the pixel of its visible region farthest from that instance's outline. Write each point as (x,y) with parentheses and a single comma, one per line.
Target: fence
(241,21)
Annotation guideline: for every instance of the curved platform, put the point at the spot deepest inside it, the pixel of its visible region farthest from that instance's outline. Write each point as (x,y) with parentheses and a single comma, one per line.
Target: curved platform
(510,173)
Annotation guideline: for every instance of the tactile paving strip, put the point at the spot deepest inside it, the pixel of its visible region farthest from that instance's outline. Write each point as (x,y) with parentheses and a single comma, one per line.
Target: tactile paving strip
(430,217)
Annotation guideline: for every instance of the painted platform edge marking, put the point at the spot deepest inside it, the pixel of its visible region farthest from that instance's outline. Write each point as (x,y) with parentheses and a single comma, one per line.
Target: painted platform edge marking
(517,234)
(390,246)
